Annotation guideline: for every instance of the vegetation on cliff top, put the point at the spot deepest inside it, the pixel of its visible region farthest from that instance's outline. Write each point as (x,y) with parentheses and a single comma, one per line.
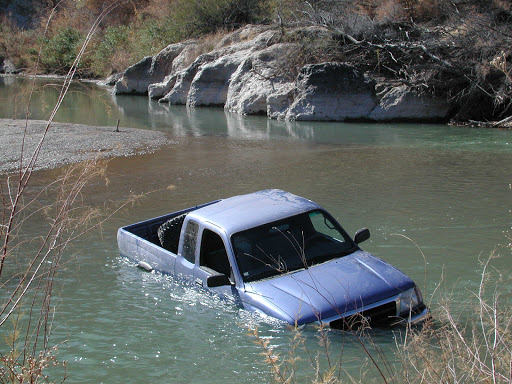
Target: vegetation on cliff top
(455,48)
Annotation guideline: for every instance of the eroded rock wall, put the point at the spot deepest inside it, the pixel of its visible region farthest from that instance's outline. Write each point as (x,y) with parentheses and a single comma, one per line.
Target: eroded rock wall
(249,72)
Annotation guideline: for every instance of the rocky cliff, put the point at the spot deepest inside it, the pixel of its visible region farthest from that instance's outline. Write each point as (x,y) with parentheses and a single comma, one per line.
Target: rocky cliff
(249,72)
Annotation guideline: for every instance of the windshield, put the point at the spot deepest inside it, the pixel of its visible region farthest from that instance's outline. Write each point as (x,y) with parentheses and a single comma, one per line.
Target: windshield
(286,245)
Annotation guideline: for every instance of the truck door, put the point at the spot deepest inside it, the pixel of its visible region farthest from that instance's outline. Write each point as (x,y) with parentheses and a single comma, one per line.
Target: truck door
(214,260)
(185,262)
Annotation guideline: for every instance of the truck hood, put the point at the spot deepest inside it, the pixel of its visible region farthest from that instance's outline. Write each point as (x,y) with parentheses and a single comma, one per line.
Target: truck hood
(328,289)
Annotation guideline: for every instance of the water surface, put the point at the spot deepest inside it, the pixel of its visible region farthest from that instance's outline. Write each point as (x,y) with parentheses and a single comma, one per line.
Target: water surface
(445,189)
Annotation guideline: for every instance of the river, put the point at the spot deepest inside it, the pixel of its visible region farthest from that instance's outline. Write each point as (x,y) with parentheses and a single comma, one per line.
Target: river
(438,190)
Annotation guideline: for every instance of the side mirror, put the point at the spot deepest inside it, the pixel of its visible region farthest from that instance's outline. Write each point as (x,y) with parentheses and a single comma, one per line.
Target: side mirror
(217,280)
(362,235)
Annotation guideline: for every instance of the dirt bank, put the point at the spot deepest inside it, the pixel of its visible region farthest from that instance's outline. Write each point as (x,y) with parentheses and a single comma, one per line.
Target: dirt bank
(68,143)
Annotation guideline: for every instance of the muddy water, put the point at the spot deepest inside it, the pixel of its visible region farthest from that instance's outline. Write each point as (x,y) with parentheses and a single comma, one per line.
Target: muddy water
(444,189)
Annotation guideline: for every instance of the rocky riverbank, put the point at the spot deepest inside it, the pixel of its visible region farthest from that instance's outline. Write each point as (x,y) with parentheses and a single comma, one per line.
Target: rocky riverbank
(248,72)
(71,143)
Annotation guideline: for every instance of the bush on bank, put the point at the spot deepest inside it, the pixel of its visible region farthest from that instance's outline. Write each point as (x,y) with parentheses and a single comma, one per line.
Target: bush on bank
(59,51)
(140,28)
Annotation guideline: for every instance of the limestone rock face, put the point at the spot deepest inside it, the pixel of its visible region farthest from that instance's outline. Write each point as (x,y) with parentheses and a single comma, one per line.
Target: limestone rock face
(247,33)
(401,103)
(207,80)
(150,70)
(253,71)
(158,90)
(332,91)
(134,79)
(179,92)
(260,75)
(179,64)
(278,103)
(210,84)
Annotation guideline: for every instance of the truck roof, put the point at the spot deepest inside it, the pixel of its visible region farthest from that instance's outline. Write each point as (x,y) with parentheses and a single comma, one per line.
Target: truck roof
(242,212)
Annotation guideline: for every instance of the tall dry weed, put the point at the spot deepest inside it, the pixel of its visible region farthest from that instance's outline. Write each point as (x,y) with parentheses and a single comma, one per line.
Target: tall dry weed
(31,259)
(469,342)
(459,347)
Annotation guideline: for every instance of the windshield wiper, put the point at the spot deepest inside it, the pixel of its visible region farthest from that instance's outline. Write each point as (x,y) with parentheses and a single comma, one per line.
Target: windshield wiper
(329,256)
(275,272)
(262,275)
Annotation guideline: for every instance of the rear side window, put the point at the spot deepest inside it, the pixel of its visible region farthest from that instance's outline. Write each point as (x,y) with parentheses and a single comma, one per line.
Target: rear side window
(189,241)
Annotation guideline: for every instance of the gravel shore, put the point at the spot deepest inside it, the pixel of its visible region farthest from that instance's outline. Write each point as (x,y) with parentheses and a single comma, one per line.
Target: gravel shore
(68,143)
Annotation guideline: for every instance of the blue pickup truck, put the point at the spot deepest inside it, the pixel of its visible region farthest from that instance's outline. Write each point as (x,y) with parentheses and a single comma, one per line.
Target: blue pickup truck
(277,254)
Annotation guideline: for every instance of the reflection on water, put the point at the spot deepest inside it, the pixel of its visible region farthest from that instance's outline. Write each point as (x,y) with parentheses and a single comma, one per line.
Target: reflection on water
(181,121)
(446,188)
(88,104)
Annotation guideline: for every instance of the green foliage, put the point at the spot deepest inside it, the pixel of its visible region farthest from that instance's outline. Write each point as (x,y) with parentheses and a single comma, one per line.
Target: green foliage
(106,50)
(114,38)
(60,50)
(121,46)
(153,35)
(17,45)
(200,17)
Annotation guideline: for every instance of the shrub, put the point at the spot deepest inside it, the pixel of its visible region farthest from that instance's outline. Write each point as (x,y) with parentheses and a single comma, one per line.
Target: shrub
(60,51)
(108,56)
(200,17)
(154,35)
(121,46)
(17,45)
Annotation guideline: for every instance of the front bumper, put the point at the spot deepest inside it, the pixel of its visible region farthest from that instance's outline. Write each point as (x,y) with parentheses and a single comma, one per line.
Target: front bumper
(383,313)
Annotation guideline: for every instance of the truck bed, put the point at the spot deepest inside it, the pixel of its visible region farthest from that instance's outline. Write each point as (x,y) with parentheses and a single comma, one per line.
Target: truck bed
(139,242)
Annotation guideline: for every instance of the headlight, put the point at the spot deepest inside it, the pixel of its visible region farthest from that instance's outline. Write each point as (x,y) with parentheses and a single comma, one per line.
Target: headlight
(409,300)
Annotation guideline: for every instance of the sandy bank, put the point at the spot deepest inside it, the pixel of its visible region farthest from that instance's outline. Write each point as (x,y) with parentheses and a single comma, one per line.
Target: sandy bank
(71,143)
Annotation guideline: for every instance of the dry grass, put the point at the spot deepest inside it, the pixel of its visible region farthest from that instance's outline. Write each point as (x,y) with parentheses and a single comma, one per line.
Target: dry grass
(29,262)
(455,347)
(204,45)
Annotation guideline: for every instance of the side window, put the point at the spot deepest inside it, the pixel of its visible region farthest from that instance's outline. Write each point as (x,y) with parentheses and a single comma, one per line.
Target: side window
(213,253)
(323,225)
(189,241)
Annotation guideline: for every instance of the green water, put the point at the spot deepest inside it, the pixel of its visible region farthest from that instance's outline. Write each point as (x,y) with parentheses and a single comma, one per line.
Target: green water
(445,188)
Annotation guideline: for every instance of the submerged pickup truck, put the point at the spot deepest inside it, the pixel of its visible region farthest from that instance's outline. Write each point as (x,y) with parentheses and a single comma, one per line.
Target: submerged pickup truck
(277,254)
